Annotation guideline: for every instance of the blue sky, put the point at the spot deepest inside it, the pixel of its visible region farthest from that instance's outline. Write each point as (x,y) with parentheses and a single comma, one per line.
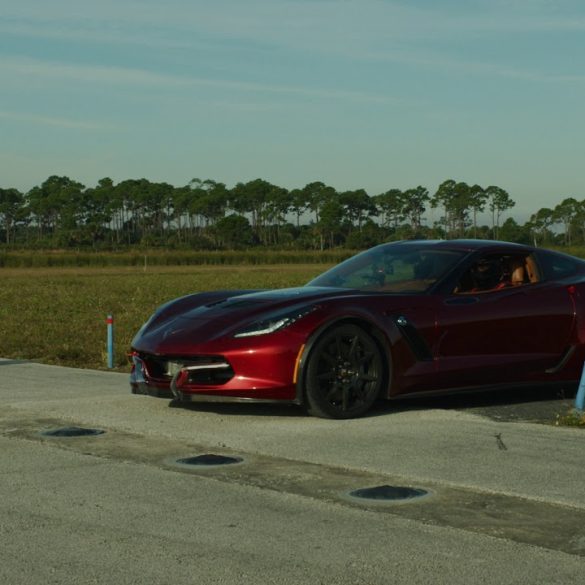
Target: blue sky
(367,94)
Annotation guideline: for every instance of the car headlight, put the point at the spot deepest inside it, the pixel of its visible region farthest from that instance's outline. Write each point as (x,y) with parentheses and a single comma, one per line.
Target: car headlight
(274,322)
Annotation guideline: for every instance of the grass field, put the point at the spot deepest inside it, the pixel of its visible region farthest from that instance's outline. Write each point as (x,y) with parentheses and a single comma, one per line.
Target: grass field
(57,315)
(154,257)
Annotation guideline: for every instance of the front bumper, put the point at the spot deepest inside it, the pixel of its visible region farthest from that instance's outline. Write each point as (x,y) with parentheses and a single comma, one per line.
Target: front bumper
(261,377)
(142,383)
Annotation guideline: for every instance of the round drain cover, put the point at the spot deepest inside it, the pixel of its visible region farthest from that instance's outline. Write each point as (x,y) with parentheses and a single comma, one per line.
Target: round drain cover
(388,493)
(72,432)
(209,459)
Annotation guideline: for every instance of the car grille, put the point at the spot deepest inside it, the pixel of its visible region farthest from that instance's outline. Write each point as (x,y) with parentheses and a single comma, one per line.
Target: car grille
(165,367)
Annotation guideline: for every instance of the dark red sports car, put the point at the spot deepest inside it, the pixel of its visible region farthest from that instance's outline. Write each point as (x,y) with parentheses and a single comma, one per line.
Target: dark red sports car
(400,319)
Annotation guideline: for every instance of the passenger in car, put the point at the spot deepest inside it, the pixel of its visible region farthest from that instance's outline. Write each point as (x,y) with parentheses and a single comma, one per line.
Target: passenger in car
(486,274)
(495,273)
(517,271)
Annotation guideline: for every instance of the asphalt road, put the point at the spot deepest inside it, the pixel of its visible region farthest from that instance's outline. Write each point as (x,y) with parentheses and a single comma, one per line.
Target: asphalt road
(505,500)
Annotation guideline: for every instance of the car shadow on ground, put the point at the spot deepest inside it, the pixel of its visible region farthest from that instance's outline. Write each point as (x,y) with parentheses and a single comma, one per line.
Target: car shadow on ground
(243,408)
(539,404)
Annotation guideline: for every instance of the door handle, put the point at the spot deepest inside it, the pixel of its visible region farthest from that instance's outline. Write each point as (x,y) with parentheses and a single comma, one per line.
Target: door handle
(461,300)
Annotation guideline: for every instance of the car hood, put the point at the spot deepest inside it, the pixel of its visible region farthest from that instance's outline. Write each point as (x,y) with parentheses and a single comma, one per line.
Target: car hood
(209,316)
(250,304)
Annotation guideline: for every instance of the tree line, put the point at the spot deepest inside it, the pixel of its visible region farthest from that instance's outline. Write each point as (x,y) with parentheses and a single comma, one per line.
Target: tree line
(205,214)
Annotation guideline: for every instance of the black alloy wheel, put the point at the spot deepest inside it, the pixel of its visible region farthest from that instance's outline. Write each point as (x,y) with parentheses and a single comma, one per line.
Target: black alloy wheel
(344,374)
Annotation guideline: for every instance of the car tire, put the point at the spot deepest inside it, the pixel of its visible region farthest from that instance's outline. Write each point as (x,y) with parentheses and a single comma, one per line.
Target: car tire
(344,374)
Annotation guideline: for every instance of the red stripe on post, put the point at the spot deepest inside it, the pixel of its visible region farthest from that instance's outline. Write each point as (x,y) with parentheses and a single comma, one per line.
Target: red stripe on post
(110,320)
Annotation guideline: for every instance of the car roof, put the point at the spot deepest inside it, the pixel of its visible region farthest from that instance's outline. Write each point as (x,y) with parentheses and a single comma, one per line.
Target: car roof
(468,245)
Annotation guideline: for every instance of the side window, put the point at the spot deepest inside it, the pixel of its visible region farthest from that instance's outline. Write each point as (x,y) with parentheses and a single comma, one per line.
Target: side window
(557,266)
(498,271)
(379,273)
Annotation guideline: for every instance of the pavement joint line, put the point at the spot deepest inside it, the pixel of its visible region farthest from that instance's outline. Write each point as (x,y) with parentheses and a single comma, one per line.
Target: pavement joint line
(548,525)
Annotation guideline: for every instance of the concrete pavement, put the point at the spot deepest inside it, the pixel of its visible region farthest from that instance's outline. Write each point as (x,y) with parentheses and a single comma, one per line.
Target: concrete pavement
(445,446)
(506,502)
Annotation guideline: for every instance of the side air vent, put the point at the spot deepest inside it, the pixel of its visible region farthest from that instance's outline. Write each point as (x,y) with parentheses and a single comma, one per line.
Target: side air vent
(414,340)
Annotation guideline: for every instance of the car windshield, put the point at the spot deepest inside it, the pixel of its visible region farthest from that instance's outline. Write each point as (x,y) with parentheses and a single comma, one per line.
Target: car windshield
(391,268)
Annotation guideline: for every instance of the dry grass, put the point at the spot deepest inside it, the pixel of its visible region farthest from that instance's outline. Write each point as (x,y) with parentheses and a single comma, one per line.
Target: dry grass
(573,418)
(57,315)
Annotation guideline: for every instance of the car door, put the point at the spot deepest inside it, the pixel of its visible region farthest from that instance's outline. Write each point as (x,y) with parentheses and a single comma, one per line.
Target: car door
(503,335)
